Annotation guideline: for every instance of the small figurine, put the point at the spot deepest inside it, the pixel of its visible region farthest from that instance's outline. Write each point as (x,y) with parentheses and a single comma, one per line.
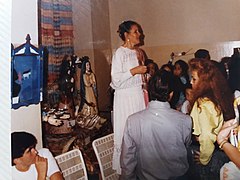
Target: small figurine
(67,85)
(88,89)
(88,116)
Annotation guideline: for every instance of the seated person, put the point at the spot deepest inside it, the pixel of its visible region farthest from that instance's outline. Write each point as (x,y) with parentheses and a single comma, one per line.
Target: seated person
(30,164)
(229,170)
(155,140)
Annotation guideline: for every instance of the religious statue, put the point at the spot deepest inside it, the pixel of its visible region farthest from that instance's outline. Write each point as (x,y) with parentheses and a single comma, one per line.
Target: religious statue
(88,116)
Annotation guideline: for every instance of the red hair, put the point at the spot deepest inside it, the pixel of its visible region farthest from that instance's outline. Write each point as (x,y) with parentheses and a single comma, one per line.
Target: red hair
(212,85)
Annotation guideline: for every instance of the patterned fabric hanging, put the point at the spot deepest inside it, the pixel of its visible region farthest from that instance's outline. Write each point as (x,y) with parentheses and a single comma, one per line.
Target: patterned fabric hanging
(56,31)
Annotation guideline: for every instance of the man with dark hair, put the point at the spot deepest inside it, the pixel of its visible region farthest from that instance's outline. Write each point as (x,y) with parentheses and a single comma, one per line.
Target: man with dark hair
(202,53)
(155,140)
(30,164)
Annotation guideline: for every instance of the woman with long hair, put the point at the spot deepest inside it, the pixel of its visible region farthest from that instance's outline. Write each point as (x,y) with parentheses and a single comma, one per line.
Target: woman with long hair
(211,103)
(181,83)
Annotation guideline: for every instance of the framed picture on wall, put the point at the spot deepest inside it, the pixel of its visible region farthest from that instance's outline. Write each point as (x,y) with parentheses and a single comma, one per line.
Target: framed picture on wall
(26,74)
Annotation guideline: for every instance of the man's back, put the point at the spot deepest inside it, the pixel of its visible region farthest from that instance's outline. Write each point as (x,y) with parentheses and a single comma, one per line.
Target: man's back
(155,143)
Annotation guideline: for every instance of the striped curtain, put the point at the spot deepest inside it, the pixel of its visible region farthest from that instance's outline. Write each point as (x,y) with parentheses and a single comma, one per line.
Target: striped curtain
(56,33)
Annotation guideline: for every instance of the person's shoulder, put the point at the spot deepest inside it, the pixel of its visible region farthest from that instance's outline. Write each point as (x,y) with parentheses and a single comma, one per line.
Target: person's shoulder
(137,115)
(44,152)
(181,117)
(120,50)
(205,102)
(181,114)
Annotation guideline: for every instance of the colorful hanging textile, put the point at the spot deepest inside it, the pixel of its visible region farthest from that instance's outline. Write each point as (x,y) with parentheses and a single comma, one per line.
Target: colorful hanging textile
(56,33)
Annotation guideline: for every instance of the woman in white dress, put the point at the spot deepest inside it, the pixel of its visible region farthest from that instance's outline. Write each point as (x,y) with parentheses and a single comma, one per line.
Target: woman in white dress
(127,82)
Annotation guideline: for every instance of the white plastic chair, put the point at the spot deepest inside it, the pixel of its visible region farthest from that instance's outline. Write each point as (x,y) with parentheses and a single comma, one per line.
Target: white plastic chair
(72,165)
(103,148)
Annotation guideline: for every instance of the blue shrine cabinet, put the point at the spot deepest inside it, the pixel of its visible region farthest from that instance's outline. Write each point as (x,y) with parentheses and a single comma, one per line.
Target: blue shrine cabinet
(26,74)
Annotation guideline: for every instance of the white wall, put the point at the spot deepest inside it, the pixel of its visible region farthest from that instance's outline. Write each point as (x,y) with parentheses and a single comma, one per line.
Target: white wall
(176,26)
(5,113)
(25,21)
(179,22)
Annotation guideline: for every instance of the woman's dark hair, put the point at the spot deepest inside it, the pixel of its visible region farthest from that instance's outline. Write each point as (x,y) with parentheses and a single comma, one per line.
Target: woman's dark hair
(202,53)
(234,71)
(184,67)
(212,85)
(150,61)
(169,66)
(20,142)
(126,26)
(161,85)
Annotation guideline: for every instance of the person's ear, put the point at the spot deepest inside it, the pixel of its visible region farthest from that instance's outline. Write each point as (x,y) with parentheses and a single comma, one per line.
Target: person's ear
(126,36)
(16,161)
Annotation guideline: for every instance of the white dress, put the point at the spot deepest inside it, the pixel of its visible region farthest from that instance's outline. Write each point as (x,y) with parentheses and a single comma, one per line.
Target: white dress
(128,96)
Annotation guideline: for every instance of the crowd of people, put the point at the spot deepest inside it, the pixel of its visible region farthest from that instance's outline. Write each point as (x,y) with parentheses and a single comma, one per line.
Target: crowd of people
(176,135)
(169,122)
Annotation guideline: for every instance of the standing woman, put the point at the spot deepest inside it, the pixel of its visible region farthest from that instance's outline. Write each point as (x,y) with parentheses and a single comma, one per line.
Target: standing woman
(127,82)
(211,103)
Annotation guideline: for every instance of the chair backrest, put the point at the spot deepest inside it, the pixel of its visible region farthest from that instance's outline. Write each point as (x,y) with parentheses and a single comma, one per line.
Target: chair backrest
(103,148)
(72,165)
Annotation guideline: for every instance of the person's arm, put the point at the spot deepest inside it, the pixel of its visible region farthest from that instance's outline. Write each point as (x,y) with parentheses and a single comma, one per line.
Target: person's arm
(128,155)
(41,165)
(232,152)
(56,176)
(119,74)
(187,130)
(138,70)
(222,139)
(53,171)
(209,121)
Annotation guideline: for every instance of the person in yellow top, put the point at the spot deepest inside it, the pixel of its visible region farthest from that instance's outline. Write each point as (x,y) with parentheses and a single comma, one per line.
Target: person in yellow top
(211,104)
(206,125)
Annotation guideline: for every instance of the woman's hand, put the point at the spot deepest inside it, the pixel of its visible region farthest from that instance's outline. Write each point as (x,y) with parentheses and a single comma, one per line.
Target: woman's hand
(138,70)
(225,173)
(225,130)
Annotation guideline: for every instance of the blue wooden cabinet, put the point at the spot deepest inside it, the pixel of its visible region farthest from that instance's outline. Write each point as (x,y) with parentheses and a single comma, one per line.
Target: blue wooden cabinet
(26,74)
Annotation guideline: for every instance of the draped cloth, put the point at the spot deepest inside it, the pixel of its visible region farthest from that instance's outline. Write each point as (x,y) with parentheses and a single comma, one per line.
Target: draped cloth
(56,33)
